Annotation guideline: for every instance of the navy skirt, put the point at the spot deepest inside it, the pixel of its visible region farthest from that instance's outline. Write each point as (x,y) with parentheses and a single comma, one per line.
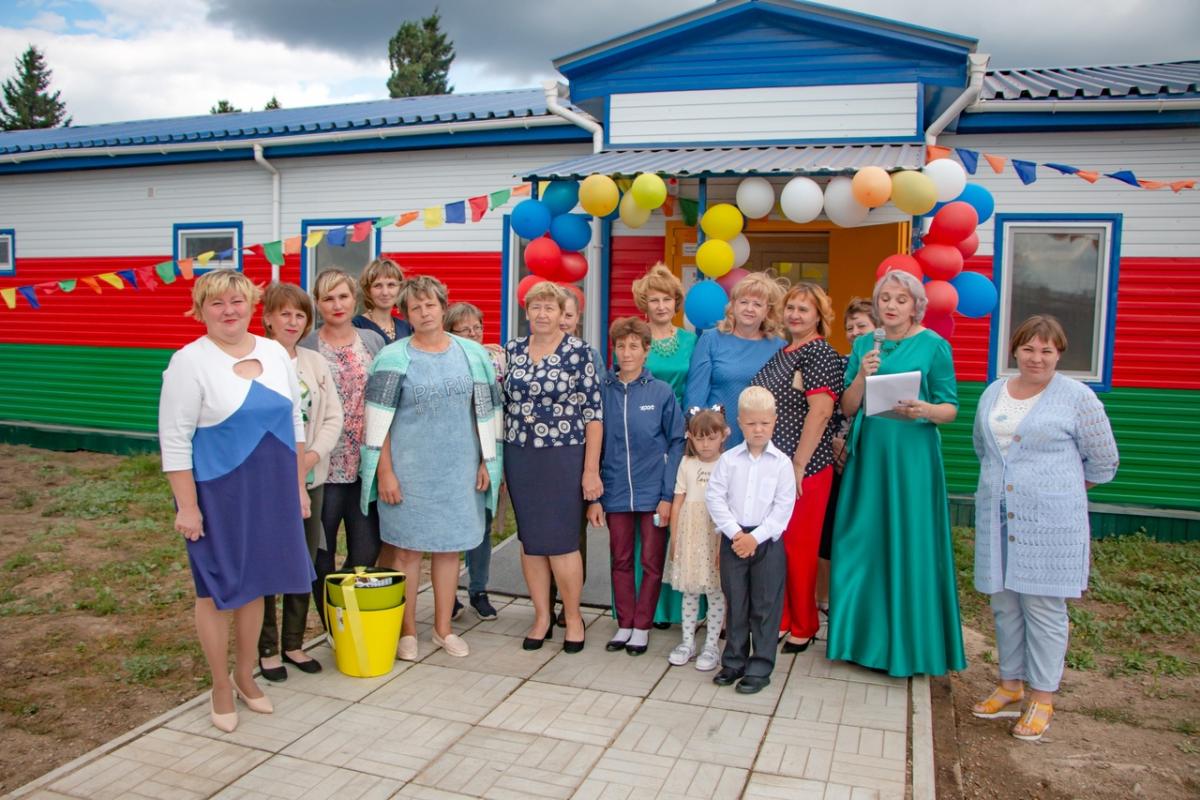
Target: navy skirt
(545,486)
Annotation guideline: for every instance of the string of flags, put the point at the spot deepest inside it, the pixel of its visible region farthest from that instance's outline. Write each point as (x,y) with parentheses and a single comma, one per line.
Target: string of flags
(1027,170)
(150,276)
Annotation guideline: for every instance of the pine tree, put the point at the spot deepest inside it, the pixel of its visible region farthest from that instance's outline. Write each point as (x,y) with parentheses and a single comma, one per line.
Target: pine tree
(420,56)
(26,102)
(272,104)
(224,107)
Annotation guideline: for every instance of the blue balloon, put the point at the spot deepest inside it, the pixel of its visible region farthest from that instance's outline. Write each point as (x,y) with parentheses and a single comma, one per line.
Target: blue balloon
(980,199)
(571,231)
(705,304)
(976,294)
(530,219)
(561,196)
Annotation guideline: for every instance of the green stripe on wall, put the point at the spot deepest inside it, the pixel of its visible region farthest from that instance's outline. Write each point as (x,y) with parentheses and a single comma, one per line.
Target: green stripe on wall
(94,387)
(1158,435)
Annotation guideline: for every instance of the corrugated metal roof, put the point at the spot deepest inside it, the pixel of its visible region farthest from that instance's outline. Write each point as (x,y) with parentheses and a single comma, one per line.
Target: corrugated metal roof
(285,121)
(716,161)
(1176,79)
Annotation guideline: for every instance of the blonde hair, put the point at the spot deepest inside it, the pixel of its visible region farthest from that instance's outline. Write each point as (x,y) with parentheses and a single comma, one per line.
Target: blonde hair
(908,283)
(218,282)
(379,268)
(658,279)
(279,296)
(757,285)
(460,311)
(819,299)
(328,279)
(756,398)
(422,285)
(547,290)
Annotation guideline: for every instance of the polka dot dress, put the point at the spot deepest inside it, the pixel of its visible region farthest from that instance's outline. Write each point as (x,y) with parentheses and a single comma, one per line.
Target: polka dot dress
(793,376)
(550,402)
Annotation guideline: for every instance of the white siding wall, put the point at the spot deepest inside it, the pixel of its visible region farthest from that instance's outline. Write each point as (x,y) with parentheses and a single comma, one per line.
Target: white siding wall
(765,114)
(111,212)
(1156,224)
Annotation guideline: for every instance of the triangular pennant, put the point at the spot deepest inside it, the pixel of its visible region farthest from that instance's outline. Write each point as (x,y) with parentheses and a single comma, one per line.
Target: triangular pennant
(969,159)
(291,245)
(10,297)
(1065,169)
(112,280)
(227,254)
(28,293)
(130,277)
(456,213)
(146,278)
(542,187)
(185,268)
(935,151)
(336,236)
(433,216)
(384,222)
(624,184)
(497,199)
(689,209)
(479,207)
(274,252)
(67,285)
(206,257)
(165,271)
(522,190)
(1088,175)
(1026,170)
(1179,186)
(362,230)
(407,217)
(997,162)
(314,237)
(1124,176)
(1151,185)
(92,283)
(668,206)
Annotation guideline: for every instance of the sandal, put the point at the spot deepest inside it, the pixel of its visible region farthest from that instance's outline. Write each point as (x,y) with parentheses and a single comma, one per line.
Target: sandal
(1034,722)
(1000,703)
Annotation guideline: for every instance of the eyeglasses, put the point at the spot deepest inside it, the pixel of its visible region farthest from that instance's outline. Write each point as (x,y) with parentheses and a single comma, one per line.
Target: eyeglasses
(470,330)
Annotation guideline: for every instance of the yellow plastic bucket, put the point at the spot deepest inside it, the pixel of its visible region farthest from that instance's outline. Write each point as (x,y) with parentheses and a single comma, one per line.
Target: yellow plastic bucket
(364,610)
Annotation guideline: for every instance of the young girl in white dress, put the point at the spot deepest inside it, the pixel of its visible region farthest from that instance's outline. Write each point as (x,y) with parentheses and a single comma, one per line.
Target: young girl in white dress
(692,564)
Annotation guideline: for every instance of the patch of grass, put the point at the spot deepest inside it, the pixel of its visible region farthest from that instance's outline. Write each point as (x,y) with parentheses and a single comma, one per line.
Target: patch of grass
(143,669)
(24,499)
(1173,666)
(102,605)
(1080,658)
(1117,716)
(135,484)
(988,656)
(1188,727)
(18,560)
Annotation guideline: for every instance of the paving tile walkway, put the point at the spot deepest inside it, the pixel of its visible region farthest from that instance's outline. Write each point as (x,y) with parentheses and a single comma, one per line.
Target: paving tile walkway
(510,724)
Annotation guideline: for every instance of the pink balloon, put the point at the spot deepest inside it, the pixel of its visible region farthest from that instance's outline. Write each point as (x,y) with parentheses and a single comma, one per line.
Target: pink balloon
(941,324)
(940,261)
(732,278)
(955,222)
(902,262)
(943,298)
(969,245)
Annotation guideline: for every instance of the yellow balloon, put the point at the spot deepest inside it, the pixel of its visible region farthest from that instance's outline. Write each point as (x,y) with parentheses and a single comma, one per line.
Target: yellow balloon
(715,257)
(913,192)
(722,221)
(598,194)
(633,215)
(648,191)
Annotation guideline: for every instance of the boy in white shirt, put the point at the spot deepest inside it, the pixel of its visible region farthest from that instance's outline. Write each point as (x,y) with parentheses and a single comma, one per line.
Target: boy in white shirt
(750,497)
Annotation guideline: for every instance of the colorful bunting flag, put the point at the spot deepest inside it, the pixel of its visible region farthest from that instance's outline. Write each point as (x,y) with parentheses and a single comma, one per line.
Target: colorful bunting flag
(205,257)
(227,254)
(362,230)
(1152,185)
(92,283)
(668,206)
(146,278)
(456,213)
(185,268)
(10,297)
(67,285)
(689,210)
(497,199)
(522,190)
(384,222)
(336,236)
(1088,175)
(1124,176)
(112,279)
(291,245)
(274,253)
(997,162)
(1026,170)
(166,271)
(407,217)
(935,151)
(130,276)
(28,293)
(479,207)
(314,238)
(1065,169)
(1179,186)
(433,217)
(969,159)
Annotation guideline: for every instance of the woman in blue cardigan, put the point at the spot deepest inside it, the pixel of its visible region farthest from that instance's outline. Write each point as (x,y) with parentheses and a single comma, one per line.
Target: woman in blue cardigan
(1043,440)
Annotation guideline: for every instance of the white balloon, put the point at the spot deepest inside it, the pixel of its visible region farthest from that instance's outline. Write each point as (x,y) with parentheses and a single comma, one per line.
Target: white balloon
(801,200)
(755,197)
(741,249)
(633,215)
(841,207)
(948,176)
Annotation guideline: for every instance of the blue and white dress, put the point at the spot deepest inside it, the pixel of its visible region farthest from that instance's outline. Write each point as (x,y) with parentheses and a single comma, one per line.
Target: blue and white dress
(238,437)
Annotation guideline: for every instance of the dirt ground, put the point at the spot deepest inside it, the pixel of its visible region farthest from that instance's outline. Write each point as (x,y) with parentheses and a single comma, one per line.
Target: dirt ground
(96,638)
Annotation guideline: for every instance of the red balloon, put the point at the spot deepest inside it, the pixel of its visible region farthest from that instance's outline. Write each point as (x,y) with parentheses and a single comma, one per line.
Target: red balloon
(902,262)
(544,257)
(942,296)
(941,262)
(527,283)
(941,324)
(969,245)
(579,298)
(955,222)
(574,267)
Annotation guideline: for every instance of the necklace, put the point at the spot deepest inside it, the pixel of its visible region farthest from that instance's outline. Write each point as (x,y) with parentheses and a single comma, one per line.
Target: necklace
(666,347)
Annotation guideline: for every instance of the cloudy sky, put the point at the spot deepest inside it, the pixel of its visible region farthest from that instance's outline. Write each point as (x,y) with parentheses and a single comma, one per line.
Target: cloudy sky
(138,59)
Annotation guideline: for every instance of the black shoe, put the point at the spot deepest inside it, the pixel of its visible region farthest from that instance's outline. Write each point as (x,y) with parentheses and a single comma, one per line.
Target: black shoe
(752,684)
(273,674)
(635,649)
(662,626)
(561,619)
(529,643)
(616,644)
(573,647)
(479,602)
(458,608)
(797,647)
(727,676)
(312,666)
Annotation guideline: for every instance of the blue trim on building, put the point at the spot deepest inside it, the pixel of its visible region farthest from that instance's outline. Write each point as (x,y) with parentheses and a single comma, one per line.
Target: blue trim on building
(919,136)
(1045,121)
(505,235)
(11,233)
(305,224)
(191,226)
(1114,263)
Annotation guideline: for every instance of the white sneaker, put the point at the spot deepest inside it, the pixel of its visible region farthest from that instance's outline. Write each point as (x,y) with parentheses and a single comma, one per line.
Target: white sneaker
(708,660)
(681,655)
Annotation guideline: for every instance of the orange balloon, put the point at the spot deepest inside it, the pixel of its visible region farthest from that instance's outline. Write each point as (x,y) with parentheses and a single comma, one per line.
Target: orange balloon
(871,186)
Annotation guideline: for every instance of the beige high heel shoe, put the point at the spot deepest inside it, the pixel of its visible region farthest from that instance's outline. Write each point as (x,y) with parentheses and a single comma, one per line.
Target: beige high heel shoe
(260,705)
(226,723)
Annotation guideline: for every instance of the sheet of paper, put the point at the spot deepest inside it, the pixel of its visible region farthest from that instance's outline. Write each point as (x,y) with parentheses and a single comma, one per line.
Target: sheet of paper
(884,391)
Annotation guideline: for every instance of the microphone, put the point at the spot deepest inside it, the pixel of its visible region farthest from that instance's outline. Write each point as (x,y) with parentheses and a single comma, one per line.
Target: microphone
(879,335)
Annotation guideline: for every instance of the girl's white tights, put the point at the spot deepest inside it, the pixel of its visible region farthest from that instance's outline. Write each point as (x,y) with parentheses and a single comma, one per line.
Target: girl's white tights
(713,622)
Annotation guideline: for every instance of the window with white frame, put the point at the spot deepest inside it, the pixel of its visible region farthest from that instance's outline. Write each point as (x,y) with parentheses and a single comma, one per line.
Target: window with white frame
(222,239)
(349,256)
(1064,266)
(8,257)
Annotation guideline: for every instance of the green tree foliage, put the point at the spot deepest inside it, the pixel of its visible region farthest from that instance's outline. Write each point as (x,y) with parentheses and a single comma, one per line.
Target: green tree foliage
(272,104)
(420,56)
(224,107)
(26,102)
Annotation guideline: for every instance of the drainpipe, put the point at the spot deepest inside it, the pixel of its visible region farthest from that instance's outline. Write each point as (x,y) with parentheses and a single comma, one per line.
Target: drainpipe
(591,283)
(275,201)
(978,69)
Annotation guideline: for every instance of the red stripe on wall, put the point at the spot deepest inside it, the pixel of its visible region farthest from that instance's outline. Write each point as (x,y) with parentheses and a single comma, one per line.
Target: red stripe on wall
(631,257)
(1157,341)
(469,277)
(971,336)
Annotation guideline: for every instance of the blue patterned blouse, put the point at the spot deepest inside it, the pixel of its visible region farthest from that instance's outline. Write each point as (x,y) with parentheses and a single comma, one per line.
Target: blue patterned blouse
(548,404)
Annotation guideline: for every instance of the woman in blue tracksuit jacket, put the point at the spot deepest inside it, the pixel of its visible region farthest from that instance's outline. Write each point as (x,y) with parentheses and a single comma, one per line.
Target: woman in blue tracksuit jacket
(643,444)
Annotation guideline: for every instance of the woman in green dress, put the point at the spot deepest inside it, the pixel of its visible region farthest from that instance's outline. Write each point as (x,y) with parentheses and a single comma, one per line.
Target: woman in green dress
(893,601)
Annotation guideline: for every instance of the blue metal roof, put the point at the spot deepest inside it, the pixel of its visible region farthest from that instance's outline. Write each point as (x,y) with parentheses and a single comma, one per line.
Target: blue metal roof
(1167,81)
(216,128)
